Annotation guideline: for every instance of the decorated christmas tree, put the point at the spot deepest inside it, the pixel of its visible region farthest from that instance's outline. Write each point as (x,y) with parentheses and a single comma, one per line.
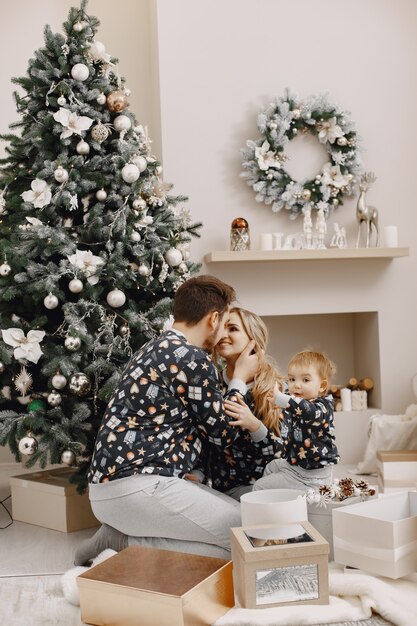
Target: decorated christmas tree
(92,247)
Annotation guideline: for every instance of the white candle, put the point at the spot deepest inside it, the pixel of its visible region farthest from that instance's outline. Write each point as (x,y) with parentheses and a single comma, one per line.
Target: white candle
(346,398)
(265,241)
(277,237)
(391,236)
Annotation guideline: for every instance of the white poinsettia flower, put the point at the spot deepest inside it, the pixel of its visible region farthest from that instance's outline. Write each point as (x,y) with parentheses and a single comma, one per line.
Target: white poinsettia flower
(72,122)
(331,175)
(85,261)
(266,158)
(329,131)
(34,221)
(26,347)
(40,194)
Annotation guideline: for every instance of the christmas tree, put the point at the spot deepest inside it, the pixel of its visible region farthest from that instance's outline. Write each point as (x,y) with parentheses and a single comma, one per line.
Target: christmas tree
(92,246)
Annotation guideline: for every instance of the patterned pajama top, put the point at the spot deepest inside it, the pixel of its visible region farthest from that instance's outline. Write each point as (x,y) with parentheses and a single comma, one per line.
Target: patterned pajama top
(168,397)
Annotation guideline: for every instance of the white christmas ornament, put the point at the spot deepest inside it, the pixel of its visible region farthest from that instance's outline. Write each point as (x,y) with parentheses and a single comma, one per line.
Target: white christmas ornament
(5,269)
(68,457)
(173,257)
(86,261)
(144,270)
(61,175)
(79,26)
(28,445)
(82,147)
(75,285)
(40,195)
(72,122)
(61,101)
(101,98)
(26,347)
(54,398)
(51,301)
(140,162)
(101,195)
(80,72)
(72,343)
(116,298)
(122,122)
(135,236)
(139,203)
(130,173)
(59,381)
(98,52)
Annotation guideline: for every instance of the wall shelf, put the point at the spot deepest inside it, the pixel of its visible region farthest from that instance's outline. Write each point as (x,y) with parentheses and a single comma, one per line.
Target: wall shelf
(329,254)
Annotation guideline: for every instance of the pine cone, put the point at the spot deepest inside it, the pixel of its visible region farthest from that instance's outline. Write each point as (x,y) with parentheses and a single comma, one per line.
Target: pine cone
(325,490)
(347,487)
(362,485)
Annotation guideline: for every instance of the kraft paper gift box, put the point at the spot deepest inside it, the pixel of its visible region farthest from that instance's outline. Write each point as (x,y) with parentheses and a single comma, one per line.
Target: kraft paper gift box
(378,536)
(150,587)
(48,499)
(397,470)
(278,565)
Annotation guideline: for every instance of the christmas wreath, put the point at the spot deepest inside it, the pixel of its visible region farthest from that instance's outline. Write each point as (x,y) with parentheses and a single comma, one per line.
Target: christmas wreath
(263,159)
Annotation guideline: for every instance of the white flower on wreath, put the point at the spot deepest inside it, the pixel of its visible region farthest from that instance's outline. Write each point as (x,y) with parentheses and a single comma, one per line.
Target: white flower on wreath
(266,158)
(72,122)
(329,131)
(39,195)
(292,194)
(331,175)
(26,347)
(85,261)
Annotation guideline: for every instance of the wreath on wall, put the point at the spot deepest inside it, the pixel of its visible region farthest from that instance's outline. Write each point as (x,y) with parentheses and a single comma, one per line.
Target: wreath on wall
(263,159)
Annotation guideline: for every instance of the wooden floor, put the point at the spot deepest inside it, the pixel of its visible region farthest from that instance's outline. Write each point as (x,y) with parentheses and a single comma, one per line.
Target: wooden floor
(32,561)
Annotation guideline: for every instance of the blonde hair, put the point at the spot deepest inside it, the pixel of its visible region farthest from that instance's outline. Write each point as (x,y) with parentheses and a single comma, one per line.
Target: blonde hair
(325,367)
(268,374)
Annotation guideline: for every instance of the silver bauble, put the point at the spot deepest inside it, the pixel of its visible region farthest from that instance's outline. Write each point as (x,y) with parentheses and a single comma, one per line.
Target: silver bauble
(140,162)
(130,173)
(61,175)
(54,398)
(78,26)
(144,270)
(139,203)
(173,257)
(79,384)
(68,457)
(135,236)
(5,269)
(116,298)
(72,343)
(101,98)
(62,101)
(80,72)
(101,195)
(28,445)
(100,132)
(75,285)
(82,147)
(50,301)
(58,381)
(122,122)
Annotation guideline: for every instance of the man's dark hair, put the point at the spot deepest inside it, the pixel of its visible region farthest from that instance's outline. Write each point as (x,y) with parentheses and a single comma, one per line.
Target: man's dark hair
(199,296)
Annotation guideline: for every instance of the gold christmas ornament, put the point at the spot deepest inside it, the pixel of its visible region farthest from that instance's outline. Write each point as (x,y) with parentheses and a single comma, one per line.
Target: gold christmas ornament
(23,381)
(100,132)
(79,384)
(117,101)
(72,343)
(239,235)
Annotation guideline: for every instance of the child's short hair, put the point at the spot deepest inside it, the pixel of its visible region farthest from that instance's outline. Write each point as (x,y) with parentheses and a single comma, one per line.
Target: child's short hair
(325,367)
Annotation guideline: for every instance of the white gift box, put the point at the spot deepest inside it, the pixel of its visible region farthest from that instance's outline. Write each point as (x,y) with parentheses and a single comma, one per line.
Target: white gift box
(397,470)
(273,506)
(378,536)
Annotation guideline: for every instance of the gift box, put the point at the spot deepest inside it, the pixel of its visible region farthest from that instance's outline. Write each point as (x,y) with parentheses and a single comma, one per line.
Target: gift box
(397,470)
(321,517)
(278,565)
(378,536)
(48,499)
(154,587)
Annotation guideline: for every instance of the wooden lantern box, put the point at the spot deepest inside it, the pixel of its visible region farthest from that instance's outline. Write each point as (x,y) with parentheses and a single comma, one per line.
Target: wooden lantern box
(277,565)
(154,587)
(48,499)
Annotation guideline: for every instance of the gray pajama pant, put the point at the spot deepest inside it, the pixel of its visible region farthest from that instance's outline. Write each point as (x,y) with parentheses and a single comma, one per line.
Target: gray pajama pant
(279,474)
(168,513)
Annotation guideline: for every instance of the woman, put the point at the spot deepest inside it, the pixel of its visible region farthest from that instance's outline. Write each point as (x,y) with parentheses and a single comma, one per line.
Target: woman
(234,469)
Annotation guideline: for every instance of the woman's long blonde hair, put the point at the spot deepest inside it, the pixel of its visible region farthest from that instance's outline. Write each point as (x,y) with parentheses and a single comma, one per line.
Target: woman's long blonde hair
(268,374)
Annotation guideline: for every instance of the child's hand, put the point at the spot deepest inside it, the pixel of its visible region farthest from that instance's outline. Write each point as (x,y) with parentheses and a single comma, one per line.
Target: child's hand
(242,415)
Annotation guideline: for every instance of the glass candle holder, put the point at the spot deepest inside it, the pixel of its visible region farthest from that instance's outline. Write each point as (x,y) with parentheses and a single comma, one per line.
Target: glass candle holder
(239,235)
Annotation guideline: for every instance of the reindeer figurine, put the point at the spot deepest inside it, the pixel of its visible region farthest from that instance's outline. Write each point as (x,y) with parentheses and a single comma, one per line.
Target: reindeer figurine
(365,213)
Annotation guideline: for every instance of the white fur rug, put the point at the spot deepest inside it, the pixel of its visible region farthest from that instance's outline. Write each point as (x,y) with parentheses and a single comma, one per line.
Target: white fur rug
(353,597)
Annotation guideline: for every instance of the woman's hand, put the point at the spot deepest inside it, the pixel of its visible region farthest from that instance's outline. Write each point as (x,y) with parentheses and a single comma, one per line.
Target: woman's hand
(247,364)
(242,415)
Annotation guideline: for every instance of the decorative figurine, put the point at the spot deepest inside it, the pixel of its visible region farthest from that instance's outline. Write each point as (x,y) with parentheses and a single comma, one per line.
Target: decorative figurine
(321,228)
(308,228)
(366,214)
(239,235)
(339,237)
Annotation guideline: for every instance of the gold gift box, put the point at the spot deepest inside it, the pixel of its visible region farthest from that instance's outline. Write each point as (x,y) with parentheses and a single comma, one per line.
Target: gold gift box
(150,587)
(48,499)
(279,565)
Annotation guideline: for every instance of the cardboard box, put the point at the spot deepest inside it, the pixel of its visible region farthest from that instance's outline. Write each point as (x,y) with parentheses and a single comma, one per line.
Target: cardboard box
(48,499)
(397,470)
(278,565)
(156,588)
(378,536)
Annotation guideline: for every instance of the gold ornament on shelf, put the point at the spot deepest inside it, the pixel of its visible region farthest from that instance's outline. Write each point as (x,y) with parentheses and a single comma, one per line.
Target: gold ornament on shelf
(239,235)
(117,101)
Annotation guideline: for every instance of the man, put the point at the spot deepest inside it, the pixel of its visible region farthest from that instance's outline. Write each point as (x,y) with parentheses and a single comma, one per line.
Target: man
(148,445)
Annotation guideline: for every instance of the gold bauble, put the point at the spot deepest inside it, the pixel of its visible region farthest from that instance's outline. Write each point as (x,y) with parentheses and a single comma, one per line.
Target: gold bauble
(117,101)
(240,222)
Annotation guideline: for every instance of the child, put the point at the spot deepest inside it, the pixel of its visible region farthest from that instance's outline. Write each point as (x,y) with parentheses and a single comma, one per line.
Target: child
(307,431)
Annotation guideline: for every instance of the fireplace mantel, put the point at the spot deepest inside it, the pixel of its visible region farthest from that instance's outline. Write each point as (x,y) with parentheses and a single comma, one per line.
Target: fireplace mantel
(329,254)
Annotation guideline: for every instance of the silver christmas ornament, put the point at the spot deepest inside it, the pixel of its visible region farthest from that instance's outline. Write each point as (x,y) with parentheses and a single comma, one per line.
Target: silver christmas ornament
(5,269)
(82,147)
(61,101)
(101,99)
(100,132)
(135,236)
(78,26)
(80,72)
(54,398)
(101,195)
(139,203)
(130,173)
(72,343)
(143,270)
(75,285)
(58,381)
(28,445)
(61,175)
(68,457)
(122,122)
(79,384)
(116,298)
(51,301)
(173,257)
(140,162)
